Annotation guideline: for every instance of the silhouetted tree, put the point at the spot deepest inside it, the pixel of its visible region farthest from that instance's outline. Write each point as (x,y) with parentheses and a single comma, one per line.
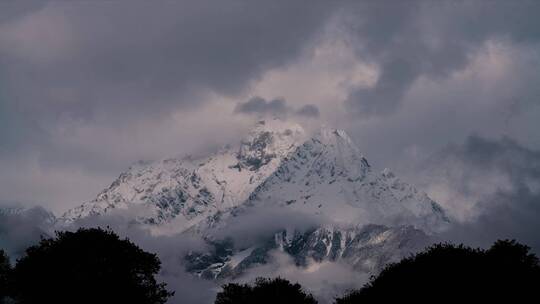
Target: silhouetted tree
(445,272)
(88,266)
(5,272)
(265,291)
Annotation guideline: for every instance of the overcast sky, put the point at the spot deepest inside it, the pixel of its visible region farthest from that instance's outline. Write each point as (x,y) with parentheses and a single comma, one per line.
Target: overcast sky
(446,93)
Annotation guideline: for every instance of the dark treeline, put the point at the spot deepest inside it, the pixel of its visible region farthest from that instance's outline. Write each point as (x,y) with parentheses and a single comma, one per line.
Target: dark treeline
(444,272)
(506,272)
(86,266)
(96,266)
(264,291)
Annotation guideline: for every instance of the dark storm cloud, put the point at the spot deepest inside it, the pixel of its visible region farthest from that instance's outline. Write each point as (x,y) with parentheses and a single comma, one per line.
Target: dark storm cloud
(259,105)
(79,57)
(510,206)
(277,107)
(410,40)
(117,63)
(505,155)
(507,215)
(308,111)
(20,228)
(116,72)
(88,87)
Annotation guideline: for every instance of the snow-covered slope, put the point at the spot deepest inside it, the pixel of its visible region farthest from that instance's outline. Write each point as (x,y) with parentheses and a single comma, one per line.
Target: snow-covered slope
(190,190)
(276,165)
(364,248)
(327,175)
(364,218)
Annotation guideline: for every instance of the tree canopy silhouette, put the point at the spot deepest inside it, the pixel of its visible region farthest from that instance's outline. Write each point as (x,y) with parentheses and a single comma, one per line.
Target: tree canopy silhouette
(5,272)
(87,266)
(264,291)
(445,272)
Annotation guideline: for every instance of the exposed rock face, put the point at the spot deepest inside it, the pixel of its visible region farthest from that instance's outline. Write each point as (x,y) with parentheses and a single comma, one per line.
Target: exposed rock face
(365,249)
(376,218)
(189,191)
(328,175)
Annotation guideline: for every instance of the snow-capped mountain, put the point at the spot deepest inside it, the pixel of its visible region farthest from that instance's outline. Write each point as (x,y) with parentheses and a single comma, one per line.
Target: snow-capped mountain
(328,175)
(190,190)
(370,218)
(364,248)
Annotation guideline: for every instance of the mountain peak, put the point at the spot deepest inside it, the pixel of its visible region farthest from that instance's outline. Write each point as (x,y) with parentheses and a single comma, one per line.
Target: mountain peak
(336,137)
(329,132)
(269,139)
(360,217)
(324,174)
(277,125)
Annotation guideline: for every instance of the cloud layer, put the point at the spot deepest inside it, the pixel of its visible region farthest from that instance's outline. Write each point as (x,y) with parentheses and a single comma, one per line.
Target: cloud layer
(278,107)
(490,187)
(425,40)
(86,88)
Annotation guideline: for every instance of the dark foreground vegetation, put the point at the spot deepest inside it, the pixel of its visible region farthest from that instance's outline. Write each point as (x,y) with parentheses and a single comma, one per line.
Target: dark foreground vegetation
(87,266)
(442,273)
(264,291)
(96,266)
(505,272)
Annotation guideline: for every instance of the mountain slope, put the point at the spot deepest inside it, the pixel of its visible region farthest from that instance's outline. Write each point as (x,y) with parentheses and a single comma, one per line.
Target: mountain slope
(327,176)
(362,218)
(190,190)
(363,248)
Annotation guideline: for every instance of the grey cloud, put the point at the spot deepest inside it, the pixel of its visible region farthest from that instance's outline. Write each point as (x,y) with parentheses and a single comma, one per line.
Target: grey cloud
(260,106)
(505,155)
(20,228)
(495,96)
(325,281)
(117,72)
(509,207)
(147,57)
(506,215)
(247,228)
(10,11)
(277,107)
(308,111)
(516,167)
(18,231)
(170,249)
(116,75)
(260,223)
(70,60)
(420,39)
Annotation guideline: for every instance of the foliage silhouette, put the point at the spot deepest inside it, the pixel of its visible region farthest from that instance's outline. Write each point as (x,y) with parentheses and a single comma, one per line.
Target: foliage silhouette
(5,272)
(87,266)
(445,272)
(264,291)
